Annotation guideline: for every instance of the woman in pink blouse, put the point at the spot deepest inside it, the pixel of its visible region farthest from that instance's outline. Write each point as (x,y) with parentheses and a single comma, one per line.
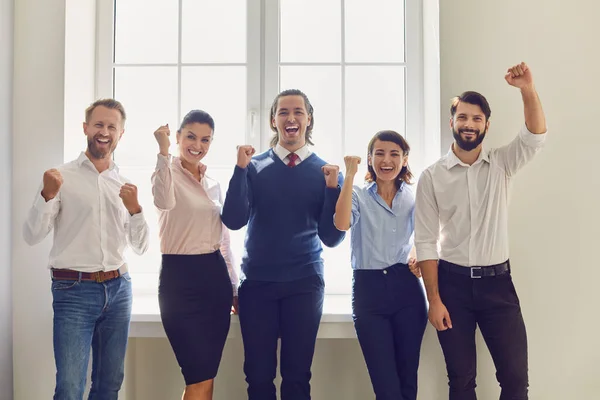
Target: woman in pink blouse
(198,284)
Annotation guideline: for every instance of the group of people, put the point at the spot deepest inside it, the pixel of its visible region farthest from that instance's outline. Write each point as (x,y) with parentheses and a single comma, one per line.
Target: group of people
(451,230)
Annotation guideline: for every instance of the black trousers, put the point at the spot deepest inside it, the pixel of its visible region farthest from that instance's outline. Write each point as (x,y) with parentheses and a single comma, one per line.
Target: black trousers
(390,316)
(287,310)
(492,304)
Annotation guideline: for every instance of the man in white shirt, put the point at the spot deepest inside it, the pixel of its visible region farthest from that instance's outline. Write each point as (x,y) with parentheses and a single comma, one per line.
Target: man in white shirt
(95,213)
(461,205)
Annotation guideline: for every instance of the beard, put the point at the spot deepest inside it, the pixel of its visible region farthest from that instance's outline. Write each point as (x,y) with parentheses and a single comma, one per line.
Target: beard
(100,153)
(468,145)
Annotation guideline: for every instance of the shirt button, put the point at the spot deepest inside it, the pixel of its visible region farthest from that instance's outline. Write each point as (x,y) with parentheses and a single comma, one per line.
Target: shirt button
(384,272)
(394,230)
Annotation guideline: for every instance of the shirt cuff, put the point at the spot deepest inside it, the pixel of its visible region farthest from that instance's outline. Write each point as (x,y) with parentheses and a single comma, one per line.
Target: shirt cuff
(530,139)
(163,161)
(137,219)
(427,251)
(44,206)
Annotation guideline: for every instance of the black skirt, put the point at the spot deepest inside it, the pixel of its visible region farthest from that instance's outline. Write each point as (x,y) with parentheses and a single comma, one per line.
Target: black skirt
(195,298)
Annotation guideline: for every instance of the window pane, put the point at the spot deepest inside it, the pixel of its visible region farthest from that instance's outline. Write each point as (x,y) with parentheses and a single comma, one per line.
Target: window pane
(323,86)
(150,260)
(223,175)
(149,95)
(338,270)
(374,102)
(310,31)
(214,31)
(374,30)
(146,31)
(220,91)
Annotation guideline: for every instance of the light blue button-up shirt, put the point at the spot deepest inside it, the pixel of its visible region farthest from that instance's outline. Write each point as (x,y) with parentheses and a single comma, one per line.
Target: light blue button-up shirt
(381,236)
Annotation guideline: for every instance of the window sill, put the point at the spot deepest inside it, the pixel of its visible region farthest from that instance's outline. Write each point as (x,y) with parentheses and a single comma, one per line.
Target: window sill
(336,322)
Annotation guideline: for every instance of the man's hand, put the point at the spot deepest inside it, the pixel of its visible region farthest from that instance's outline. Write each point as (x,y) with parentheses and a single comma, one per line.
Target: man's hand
(53,180)
(244,155)
(519,76)
(439,316)
(129,196)
(331,173)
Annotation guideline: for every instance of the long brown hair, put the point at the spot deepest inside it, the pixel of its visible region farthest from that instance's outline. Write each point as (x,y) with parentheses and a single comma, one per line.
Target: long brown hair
(390,136)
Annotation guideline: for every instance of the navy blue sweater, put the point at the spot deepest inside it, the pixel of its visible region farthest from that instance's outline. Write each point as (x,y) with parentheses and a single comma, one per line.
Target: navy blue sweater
(289,211)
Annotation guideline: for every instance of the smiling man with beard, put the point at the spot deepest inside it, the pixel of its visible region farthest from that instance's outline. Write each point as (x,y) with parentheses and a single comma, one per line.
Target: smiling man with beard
(461,206)
(95,214)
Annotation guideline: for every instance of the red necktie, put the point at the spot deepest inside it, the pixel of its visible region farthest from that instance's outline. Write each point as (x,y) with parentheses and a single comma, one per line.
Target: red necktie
(292,157)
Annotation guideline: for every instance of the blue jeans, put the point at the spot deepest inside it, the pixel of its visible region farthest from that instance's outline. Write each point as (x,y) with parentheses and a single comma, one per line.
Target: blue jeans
(89,314)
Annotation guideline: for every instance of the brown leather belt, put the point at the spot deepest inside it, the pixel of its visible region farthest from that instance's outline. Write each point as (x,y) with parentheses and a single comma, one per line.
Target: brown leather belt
(72,275)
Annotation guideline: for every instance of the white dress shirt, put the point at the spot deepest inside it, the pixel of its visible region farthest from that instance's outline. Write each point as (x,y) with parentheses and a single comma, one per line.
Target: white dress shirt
(302,153)
(91,224)
(463,210)
(190,213)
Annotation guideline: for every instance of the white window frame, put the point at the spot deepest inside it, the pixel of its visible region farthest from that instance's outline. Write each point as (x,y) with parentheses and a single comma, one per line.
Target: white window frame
(263,44)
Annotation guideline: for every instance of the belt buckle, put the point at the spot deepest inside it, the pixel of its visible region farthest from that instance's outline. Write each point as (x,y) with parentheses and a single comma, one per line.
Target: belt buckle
(98,278)
(476,276)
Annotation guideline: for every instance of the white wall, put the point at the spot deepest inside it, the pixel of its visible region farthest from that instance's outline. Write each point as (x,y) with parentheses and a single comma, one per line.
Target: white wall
(554,215)
(6,65)
(37,145)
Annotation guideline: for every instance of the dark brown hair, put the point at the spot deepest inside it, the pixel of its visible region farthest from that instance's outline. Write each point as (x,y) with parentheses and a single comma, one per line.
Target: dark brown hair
(472,98)
(390,136)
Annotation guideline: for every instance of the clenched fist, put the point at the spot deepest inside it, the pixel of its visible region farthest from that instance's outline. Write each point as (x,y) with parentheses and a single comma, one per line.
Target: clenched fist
(331,175)
(162,137)
(351,165)
(129,196)
(519,76)
(53,180)
(244,155)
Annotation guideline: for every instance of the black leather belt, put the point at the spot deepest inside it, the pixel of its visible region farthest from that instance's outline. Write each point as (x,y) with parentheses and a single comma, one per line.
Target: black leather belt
(476,272)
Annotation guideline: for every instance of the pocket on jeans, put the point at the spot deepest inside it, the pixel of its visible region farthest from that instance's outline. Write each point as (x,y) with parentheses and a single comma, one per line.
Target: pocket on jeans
(126,276)
(64,285)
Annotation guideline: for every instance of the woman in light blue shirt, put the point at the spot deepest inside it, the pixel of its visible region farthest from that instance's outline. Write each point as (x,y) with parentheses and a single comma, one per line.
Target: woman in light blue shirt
(388,301)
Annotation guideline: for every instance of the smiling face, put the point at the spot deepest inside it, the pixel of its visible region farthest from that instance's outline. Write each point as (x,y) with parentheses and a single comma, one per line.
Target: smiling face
(291,120)
(103,130)
(387,160)
(194,142)
(469,126)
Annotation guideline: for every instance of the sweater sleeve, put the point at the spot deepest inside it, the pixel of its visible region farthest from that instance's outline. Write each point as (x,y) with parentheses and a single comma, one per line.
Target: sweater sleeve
(236,208)
(328,233)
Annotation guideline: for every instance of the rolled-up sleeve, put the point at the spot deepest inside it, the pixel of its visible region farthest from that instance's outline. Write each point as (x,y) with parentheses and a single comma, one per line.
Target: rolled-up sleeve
(427,222)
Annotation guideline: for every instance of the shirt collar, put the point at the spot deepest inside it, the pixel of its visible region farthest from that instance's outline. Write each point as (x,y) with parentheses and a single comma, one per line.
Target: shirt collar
(452,160)
(201,167)
(372,187)
(84,158)
(303,152)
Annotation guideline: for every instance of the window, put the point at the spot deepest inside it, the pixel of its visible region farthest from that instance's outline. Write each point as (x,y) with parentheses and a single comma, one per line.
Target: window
(358,61)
